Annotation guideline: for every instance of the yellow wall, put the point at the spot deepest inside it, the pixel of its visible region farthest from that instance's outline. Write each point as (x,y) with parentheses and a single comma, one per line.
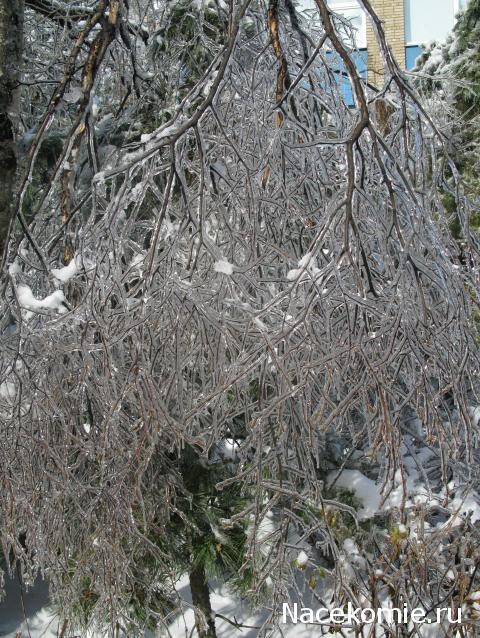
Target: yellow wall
(391,12)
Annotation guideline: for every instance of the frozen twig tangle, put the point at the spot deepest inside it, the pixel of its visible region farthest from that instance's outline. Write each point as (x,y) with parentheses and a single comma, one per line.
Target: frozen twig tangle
(236,255)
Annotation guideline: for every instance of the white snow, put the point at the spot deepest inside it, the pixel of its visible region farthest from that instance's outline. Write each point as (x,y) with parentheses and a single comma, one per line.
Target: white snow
(67,272)
(352,553)
(306,266)
(208,86)
(366,490)
(465,506)
(230,449)
(475,414)
(28,301)
(44,623)
(167,131)
(350,547)
(293,274)
(14,268)
(223,266)
(266,531)
(138,260)
(77,263)
(302,559)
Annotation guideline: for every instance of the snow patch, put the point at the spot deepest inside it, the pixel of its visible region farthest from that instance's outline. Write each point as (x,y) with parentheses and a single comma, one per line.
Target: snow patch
(464,507)
(302,559)
(366,490)
(67,272)
(14,268)
(28,301)
(475,414)
(223,266)
(306,266)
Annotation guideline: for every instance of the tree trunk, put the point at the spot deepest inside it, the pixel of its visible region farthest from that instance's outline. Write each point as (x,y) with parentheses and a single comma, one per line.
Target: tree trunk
(11,48)
(204,618)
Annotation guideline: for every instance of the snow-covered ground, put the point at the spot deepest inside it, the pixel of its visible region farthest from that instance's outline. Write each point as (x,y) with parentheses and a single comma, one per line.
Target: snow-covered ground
(43,623)
(36,609)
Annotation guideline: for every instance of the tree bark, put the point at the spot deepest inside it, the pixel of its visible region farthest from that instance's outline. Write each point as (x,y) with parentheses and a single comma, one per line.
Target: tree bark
(11,49)
(204,618)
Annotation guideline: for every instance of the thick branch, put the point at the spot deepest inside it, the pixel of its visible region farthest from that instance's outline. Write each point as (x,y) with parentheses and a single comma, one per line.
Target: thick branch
(11,45)
(283,77)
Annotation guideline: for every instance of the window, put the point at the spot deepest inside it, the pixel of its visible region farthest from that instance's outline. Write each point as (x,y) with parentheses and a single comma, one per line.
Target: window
(356,16)
(427,20)
(460,5)
(412,52)
(352,11)
(361,61)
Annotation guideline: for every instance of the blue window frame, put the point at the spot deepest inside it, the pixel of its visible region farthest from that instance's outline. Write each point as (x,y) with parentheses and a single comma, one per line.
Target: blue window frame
(360,58)
(411,54)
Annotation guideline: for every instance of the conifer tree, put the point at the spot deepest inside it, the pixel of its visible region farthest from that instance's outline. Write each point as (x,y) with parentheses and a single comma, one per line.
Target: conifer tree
(451,70)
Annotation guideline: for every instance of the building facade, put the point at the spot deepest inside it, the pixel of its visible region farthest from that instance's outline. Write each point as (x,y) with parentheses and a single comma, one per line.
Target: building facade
(408,25)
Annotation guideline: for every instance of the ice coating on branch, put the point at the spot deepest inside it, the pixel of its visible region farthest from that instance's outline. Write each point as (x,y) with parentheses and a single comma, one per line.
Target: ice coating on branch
(325,339)
(7,390)
(74,95)
(260,324)
(352,552)
(209,4)
(468,505)
(137,261)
